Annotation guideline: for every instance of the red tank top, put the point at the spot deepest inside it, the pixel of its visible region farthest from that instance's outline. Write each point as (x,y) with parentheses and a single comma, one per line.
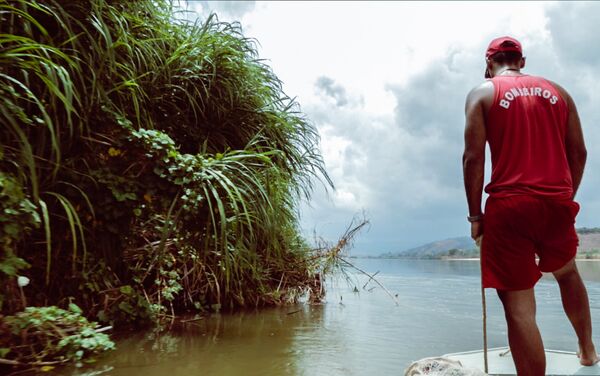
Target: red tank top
(526,128)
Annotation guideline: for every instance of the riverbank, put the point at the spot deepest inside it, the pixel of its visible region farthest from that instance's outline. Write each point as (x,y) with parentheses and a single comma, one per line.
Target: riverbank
(149,166)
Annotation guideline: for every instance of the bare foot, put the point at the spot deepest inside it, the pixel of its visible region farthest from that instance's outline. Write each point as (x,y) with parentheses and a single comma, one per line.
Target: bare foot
(588,357)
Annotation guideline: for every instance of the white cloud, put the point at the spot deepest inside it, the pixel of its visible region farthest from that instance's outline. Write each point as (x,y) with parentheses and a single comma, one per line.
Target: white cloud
(226,10)
(385,84)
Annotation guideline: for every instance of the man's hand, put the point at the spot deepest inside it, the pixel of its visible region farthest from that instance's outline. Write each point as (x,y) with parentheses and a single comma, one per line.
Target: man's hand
(476,230)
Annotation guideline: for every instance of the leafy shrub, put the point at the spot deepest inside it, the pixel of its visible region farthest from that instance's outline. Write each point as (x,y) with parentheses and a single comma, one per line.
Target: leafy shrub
(18,216)
(51,334)
(162,156)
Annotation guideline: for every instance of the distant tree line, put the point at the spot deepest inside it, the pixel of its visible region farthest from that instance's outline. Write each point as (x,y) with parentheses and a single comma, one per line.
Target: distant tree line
(586,230)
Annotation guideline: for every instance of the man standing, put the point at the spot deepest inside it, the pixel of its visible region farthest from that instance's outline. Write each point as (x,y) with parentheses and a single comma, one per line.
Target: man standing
(538,155)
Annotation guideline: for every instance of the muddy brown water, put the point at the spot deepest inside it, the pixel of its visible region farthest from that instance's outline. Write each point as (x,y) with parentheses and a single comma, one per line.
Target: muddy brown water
(362,333)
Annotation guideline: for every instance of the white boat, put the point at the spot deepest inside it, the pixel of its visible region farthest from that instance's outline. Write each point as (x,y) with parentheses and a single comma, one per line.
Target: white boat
(500,362)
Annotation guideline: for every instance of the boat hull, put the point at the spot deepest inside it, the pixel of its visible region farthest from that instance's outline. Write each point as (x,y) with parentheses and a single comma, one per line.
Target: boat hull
(500,362)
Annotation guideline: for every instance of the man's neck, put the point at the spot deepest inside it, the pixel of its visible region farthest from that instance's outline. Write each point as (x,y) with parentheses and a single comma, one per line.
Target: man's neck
(509,71)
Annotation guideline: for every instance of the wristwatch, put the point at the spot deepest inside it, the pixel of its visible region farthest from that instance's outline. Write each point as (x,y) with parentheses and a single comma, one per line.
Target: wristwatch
(475,218)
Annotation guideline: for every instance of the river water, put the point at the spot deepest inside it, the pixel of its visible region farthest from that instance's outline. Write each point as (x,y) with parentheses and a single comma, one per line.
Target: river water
(354,333)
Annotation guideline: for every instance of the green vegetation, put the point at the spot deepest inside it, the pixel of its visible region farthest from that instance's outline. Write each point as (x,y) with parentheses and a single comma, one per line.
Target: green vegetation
(50,335)
(453,253)
(586,230)
(590,254)
(148,165)
(460,253)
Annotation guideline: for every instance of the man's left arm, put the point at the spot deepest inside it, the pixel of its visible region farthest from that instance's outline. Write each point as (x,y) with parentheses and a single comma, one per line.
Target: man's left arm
(574,142)
(474,155)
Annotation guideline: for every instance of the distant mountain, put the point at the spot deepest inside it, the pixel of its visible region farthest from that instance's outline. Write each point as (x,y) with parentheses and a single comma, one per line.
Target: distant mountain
(434,249)
(464,246)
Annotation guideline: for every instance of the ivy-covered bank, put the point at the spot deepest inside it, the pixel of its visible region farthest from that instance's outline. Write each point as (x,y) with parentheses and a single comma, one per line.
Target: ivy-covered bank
(148,165)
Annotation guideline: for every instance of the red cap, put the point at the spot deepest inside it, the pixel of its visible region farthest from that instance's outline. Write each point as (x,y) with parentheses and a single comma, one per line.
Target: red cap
(503,44)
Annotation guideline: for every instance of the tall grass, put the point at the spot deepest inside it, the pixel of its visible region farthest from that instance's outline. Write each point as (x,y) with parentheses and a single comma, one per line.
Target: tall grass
(160,153)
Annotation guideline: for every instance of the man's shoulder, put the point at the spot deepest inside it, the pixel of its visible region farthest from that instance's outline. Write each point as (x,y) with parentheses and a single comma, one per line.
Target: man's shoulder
(481,91)
(562,91)
(558,87)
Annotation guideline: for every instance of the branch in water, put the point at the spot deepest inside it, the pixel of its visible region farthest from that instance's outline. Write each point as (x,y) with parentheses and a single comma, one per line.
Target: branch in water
(333,255)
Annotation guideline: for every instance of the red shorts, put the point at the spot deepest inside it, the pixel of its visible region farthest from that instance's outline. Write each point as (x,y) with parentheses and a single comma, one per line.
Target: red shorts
(515,229)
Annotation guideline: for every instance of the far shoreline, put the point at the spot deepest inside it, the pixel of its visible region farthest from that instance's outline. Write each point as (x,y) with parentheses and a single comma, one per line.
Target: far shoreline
(444,259)
(477,259)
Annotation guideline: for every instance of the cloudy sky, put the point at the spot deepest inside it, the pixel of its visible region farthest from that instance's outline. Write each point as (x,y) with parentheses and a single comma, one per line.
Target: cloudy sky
(385,84)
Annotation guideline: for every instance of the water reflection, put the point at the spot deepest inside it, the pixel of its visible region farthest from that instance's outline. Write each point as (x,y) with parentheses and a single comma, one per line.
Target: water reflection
(354,334)
(590,270)
(248,343)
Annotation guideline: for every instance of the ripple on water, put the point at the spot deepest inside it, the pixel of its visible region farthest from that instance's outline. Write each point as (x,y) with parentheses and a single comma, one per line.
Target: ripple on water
(439,311)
